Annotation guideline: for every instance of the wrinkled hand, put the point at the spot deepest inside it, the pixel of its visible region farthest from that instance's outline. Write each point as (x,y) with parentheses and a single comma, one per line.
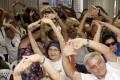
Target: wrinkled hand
(56,15)
(46,20)
(34,25)
(117,23)
(22,66)
(6,24)
(92,12)
(32,58)
(68,49)
(72,21)
(100,22)
(96,22)
(71,45)
(77,43)
(50,16)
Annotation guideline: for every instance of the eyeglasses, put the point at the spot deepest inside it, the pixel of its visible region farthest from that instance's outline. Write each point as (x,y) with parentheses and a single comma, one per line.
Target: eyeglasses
(109,44)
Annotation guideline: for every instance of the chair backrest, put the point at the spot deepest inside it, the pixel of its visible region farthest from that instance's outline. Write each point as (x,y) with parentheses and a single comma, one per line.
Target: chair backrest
(5,74)
(2,56)
(9,65)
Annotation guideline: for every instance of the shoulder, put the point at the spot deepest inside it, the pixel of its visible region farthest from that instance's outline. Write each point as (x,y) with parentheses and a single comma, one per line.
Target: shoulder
(118,44)
(87,76)
(114,64)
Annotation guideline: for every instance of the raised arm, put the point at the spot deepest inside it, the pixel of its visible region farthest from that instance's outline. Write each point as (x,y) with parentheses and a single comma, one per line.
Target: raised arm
(44,38)
(31,38)
(57,32)
(74,75)
(98,33)
(25,41)
(82,22)
(8,25)
(106,17)
(79,42)
(91,12)
(15,3)
(20,67)
(39,57)
(62,25)
(66,64)
(112,28)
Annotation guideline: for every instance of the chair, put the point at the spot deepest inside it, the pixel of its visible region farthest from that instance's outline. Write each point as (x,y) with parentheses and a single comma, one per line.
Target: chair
(9,65)
(5,74)
(2,56)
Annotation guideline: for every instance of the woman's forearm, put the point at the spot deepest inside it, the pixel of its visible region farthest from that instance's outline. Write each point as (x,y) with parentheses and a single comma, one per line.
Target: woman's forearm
(100,48)
(81,26)
(17,76)
(63,29)
(33,43)
(59,35)
(43,35)
(51,71)
(112,28)
(98,34)
(107,18)
(67,66)
(14,29)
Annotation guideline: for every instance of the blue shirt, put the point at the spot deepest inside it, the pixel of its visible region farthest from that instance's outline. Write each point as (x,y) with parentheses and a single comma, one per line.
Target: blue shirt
(118,49)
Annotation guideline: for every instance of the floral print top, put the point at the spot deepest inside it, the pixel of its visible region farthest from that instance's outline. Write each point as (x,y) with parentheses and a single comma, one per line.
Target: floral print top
(35,71)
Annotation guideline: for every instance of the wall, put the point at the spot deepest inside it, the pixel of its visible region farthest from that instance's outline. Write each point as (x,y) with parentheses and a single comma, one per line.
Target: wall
(108,5)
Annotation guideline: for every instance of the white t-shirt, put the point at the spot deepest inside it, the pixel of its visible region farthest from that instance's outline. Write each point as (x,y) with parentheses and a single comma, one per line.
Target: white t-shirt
(11,45)
(113,73)
(81,54)
(12,50)
(3,49)
(57,65)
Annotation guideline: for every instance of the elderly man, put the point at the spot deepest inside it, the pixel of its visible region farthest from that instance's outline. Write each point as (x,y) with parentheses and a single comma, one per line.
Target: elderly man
(94,62)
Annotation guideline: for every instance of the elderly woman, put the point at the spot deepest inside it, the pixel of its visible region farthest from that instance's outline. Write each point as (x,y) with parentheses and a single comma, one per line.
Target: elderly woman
(53,54)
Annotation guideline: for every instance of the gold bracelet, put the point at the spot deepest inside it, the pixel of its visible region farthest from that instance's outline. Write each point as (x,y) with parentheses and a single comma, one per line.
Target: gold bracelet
(43,61)
(87,43)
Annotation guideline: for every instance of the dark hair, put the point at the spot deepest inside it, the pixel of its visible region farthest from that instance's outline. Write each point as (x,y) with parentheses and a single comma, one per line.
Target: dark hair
(45,3)
(50,44)
(49,33)
(101,8)
(88,20)
(1,17)
(107,36)
(83,13)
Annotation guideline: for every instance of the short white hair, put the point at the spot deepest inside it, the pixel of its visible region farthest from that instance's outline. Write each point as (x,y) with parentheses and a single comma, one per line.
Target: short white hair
(90,56)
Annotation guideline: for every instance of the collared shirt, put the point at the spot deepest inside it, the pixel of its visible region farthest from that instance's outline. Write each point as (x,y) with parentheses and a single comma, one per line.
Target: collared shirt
(3,49)
(113,72)
(11,46)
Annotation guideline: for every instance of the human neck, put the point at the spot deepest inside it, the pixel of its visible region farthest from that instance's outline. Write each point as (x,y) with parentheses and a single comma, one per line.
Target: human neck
(56,59)
(101,77)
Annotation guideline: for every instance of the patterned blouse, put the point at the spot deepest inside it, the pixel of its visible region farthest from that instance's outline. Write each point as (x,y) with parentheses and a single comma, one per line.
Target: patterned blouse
(35,71)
